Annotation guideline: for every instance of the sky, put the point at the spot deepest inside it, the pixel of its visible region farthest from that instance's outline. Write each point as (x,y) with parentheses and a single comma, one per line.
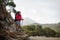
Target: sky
(41,11)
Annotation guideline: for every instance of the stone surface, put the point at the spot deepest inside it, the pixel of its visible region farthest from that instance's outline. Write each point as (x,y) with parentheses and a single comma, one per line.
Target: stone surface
(11,32)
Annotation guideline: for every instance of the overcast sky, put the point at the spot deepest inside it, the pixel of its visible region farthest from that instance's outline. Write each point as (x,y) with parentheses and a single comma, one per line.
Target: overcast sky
(41,11)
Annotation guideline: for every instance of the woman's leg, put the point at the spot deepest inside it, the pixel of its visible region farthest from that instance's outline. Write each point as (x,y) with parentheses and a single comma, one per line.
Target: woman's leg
(17,25)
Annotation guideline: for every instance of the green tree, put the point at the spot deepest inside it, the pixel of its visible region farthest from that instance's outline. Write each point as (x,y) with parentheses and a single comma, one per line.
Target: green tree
(12,5)
(57,33)
(39,30)
(33,30)
(29,29)
(49,32)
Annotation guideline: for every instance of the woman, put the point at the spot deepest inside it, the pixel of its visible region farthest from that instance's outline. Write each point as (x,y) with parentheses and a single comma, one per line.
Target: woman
(18,19)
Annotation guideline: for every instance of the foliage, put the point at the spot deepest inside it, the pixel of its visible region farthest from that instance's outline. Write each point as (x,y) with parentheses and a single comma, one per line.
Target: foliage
(10,3)
(57,33)
(49,32)
(33,30)
(37,30)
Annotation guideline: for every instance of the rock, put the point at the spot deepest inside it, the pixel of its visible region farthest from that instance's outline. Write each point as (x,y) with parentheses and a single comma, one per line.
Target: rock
(11,33)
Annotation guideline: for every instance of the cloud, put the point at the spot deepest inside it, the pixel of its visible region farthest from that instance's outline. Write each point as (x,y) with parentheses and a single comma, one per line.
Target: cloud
(42,11)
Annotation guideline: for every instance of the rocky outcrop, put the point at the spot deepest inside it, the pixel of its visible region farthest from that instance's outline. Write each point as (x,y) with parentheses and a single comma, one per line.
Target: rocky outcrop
(10,33)
(7,26)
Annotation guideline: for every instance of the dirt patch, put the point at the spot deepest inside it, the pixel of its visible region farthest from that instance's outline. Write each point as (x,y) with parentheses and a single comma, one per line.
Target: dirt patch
(44,38)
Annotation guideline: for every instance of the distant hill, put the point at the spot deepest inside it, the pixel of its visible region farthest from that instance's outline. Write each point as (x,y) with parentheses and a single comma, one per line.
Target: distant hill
(52,26)
(55,26)
(27,21)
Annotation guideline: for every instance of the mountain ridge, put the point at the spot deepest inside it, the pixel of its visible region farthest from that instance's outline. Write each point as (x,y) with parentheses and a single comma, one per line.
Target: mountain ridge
(29,21)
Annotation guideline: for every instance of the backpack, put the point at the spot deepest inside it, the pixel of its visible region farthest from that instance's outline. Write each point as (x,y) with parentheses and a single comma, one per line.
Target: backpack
(18,17)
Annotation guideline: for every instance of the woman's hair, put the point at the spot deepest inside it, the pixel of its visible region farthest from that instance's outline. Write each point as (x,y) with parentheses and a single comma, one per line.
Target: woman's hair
(18,12)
